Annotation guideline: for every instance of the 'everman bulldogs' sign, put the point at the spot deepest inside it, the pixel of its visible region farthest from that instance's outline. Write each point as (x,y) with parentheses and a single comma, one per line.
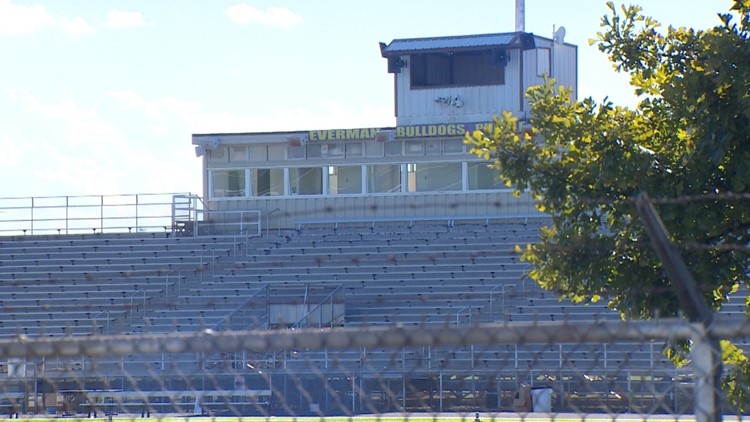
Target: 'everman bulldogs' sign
(419,131)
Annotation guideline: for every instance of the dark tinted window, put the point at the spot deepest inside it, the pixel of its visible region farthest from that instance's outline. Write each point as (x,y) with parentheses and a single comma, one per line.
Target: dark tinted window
(456,69)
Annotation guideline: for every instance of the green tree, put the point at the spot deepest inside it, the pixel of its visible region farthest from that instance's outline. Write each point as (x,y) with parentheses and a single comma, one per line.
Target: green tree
(687,142)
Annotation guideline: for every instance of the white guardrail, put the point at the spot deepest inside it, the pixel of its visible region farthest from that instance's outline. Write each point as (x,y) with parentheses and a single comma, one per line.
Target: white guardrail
(183,213)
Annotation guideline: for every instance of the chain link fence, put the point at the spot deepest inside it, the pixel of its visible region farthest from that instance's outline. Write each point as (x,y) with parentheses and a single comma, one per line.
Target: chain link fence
(590,369)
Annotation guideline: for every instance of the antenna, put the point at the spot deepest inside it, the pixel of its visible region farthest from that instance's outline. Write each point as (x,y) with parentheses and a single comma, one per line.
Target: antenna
(520,16)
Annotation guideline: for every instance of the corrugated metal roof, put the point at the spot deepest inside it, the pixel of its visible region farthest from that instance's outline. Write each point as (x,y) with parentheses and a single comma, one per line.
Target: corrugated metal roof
(405,46)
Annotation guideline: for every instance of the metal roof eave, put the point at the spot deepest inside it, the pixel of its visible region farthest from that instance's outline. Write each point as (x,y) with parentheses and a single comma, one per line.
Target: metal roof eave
(399,47)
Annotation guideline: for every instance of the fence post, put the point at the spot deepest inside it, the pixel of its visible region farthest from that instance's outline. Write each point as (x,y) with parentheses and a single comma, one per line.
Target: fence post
(706,358)
(706,353)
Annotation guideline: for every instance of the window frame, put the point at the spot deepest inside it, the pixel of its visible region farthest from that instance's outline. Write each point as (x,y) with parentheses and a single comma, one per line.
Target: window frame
(450,69)
(243,178)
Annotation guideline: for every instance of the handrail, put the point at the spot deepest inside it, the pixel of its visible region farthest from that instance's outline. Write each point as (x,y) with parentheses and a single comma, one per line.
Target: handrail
(203,254)
(132,296)
(492,302)
(458,314)
(229,222)
(86,214)
(200,199)
(316,307)
(217,326)
(108,320)
(448,219)
(177,288)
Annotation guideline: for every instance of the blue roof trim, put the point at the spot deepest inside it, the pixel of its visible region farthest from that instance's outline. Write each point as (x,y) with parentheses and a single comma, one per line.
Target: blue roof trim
(461,42)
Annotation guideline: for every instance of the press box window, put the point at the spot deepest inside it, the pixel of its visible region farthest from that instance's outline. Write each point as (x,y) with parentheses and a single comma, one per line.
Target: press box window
(276,152)
(414,147)
(313,150)
(471,68)
(257,152)
(218,155)
(354,149)
(432,147)
(332,150)
(227,183)
(433,177)
(344,180)
(237,153)
(306,181)
(374,149)
(268,182)
(383,178)
(483,177)
(393,149)
(295,152)
(453,146)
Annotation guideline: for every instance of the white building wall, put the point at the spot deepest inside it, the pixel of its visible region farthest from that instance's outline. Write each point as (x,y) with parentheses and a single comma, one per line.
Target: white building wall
(558,61)
(437,205)
(566,67)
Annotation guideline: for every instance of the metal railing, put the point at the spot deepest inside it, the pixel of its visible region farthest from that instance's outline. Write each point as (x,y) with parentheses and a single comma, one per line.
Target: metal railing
(134,311)
(228,222)
(227,320)
(86,214)
(107,319)
(317,310)
(185,214)
(177,286)
(500,287)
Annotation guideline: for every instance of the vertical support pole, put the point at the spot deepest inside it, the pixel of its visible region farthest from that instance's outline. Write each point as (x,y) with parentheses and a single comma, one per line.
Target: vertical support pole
(705,352)
(362,392)
(32,215)
(706,358)
(403,380)
(354,393)
(36,389)
(561,393)
(630,392)
(520,16)
(605,356)
(67,217)
(440,387)
(101,214)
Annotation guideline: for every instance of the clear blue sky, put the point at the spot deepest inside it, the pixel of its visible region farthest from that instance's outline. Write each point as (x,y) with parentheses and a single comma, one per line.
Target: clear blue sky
(101,96)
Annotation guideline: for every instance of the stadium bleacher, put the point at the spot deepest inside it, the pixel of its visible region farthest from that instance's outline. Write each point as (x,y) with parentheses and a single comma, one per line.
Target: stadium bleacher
(319,276)
(389,274)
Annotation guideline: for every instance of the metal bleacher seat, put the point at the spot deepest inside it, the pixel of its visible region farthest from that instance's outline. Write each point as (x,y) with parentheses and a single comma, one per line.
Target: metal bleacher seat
(389,273)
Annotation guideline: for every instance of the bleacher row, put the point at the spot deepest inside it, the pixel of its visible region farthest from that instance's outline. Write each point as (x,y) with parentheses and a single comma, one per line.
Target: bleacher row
(387,274)
(96,284)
